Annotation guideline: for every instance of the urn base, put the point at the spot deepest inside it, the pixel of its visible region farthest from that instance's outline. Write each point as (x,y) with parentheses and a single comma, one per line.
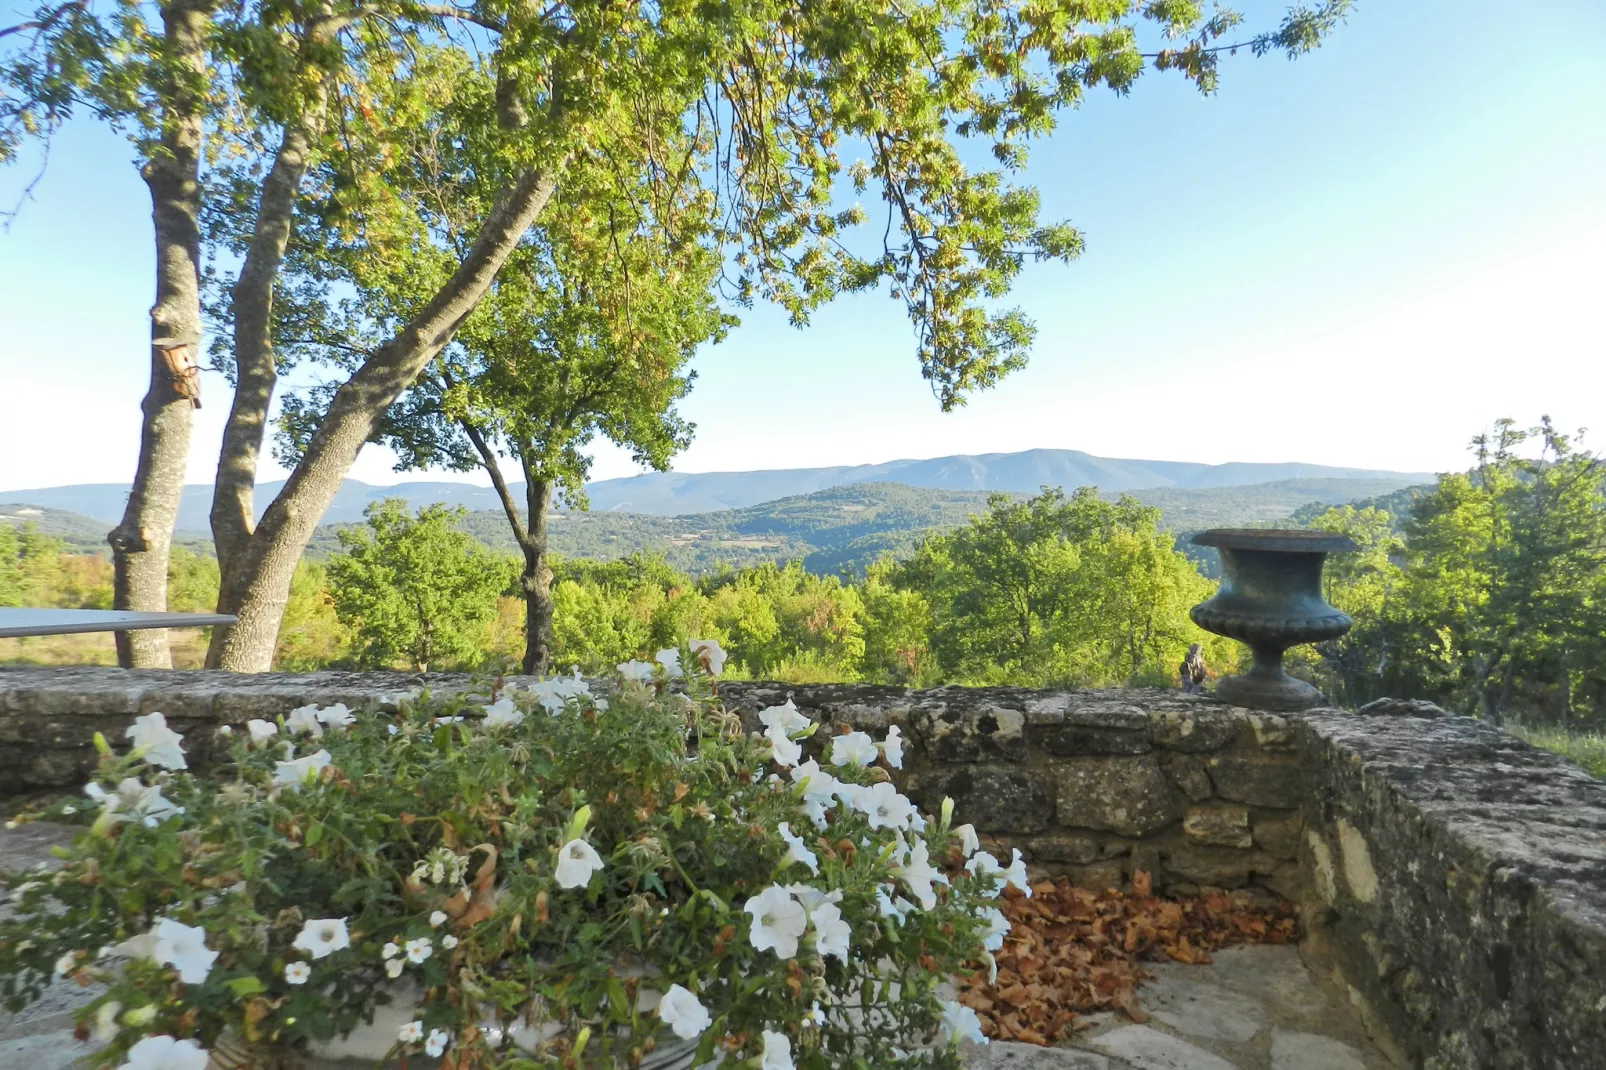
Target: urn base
(1275,694)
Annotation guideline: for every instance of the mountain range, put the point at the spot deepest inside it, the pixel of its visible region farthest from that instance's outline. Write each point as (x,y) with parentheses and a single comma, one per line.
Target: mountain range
(682,494)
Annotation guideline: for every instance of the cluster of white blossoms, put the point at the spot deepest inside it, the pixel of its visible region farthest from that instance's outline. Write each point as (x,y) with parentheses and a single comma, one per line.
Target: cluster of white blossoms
(312,720)
(413,1032)
(708,652)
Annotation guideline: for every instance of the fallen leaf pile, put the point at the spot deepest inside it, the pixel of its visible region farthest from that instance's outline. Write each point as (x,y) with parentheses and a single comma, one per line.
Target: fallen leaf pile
(1071,950)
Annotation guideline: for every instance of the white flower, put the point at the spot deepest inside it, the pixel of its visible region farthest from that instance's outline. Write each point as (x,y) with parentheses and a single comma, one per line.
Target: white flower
(448,941)
(394,968)
(992,967)
(184,946)
(225,730)
(855,748)
(960,1022)
(165,1053)
(708,652)
(296,973)
(261,731)
(67,964)
(554,693)
(669,658)
(682,1012)
(502,712)
(106,1021)
(785,717)
(983,864)
(831,931)
(420,949)
(892,908)
(884,807)
(437,919)
(322,936)
(796,849)
(787,752)
(812,898)
(997,927)
(915,871)
(577,860)
(1016,873)
(337,716)
(135,797)
(640,671)
(157,743)
(777,1052)
(778,921)
(390,950)
(438,1039)
(304,719)
(301,771)
(892,747)
(968,843)
(411,1033)
(819,789)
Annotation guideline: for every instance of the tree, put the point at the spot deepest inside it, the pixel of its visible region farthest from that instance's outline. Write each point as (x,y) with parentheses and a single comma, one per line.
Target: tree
(1367,585)
(415,588)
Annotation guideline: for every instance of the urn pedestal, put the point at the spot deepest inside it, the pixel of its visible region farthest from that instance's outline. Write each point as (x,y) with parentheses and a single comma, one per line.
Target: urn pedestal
(1270,599)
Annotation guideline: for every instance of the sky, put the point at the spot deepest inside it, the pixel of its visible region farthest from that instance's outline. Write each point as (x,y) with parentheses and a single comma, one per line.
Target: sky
(1361,258)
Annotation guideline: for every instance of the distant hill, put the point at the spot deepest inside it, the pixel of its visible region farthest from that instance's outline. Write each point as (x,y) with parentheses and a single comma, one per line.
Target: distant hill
(679,493)
(81,533)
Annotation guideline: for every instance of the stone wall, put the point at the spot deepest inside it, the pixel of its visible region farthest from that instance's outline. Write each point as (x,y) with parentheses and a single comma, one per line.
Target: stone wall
(1456,876)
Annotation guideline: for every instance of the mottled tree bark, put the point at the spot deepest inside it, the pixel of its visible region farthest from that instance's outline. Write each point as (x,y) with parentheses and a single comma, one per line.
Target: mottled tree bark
(258,583)
(141,542)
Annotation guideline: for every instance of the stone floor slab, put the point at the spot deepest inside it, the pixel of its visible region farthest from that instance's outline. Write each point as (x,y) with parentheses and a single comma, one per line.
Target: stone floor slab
(1311,1051)
(44,1051)
(1150,1049)
(1272,973)
(1202,1010)
(1006,1055)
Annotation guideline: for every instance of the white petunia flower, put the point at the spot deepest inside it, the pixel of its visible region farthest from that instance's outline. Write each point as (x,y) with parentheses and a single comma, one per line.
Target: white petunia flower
(778,921)
(438,1039)
(639,671)
(992,967)
(302,771)
(133,798)
(669,658)
(555,692)
(448,941)
(892,747)
(165,1053)
(893,908)
(785,717)
(261,731)
(157,743)
(67,964)
(296,973)
(337,716)
(106,1021)
(394,968)
(796,849)
(501,713)
(812,898)
(184,947)
(855,748)
(411,1033)
(322,936)
(1016,873)
(577,860)
(787,752)
(419,949)
(390,950)
(304,719)
(959,1022)
(708,652)
(777,1052)
(831,931)
(997,927)
(983,864)
(884,807)
(437,919)
(684,1013)
(968,843)
(915,871)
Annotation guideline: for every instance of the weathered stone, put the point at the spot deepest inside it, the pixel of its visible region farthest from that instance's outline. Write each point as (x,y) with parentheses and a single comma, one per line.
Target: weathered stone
(1320,877)
(1126,795)
(1064,847)
(953,733)
(1007,1055)
(994,799)
(1196,731)
(1188,774)
(1256,781)
(1150,1049)
(1280,878)
(1402,707)
(1076,741)
(1277,836)
(1270,731)
(1271,973)
(1220,826)
(1219,867)
(46,1051)
(1097,876)
(1202,1010)
(1357,861)
(1311,1051)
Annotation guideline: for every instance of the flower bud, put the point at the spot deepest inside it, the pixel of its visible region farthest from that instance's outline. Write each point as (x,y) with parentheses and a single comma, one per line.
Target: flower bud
(140,1016)
(101,746)
(947,812)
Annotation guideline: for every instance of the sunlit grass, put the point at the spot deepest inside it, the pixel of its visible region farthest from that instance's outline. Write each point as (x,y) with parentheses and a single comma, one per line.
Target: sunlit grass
(1587,749)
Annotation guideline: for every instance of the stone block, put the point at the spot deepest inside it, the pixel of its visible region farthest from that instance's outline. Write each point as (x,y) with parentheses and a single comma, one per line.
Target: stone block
(1153,1050)
(1282,879)
(1075,741)
(1097,876)
(1127,795)
(1064,847)
(1271,782)
(1202,1010)
(1277,836)
(1008,1055)
(1188,774)
(59,768)
(994,799)
(1192,730)
(980,733)
(1219,826)
(1220,867)
(1312,1051)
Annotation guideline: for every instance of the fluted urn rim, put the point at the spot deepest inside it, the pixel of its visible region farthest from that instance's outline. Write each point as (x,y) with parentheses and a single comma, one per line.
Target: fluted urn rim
(1275,539)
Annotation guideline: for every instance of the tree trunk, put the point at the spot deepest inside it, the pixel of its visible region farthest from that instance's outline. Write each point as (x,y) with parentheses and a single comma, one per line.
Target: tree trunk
(141,542)
(537,578)
(258,584)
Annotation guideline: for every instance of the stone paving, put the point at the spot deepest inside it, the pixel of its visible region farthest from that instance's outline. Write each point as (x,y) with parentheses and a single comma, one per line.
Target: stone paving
(1252,1008)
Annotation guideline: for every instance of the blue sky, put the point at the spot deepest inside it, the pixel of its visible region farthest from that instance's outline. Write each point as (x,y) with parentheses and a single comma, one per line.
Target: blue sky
(1359,258)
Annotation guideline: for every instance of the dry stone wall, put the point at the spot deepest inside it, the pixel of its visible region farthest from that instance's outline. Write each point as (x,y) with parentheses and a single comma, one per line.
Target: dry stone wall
(1456,876)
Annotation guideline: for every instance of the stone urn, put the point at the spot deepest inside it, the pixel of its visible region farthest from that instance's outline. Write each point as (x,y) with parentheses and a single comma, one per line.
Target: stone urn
(1271,599)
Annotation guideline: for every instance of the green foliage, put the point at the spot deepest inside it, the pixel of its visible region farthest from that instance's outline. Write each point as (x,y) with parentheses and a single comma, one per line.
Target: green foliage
(415,588)
(1586,749)
(30,566)
(432,845)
